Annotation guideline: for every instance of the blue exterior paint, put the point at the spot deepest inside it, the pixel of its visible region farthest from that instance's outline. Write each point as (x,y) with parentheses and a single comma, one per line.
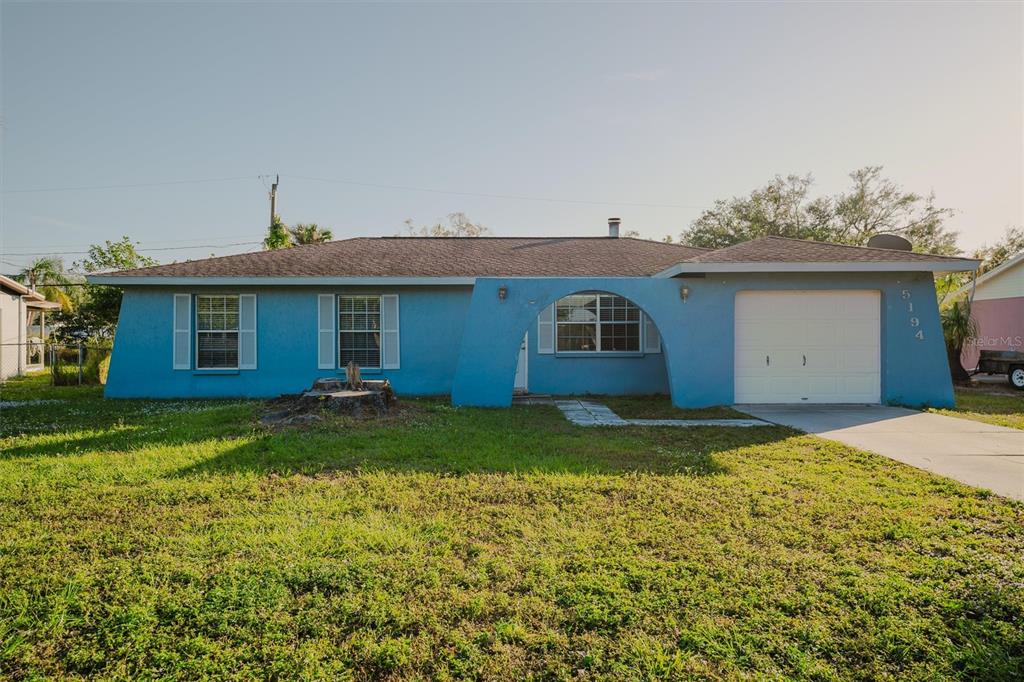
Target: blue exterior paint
(697,335)
(579,375)
(431,321)
(463,341)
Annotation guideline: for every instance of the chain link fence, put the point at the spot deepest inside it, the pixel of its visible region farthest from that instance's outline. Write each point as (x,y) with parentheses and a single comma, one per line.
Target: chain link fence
(67,365)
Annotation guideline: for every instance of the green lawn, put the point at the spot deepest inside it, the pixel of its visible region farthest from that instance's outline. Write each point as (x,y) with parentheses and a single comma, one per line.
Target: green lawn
(660,407)
(178,540)
(983,405)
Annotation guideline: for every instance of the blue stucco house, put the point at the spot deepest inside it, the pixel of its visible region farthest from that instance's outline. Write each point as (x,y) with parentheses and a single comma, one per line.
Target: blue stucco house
(772,320)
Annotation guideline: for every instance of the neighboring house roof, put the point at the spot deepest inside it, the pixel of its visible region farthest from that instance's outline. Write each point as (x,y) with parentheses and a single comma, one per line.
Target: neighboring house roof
(994,272)
(33,299)
(781,254)
(463,259)
(446,257)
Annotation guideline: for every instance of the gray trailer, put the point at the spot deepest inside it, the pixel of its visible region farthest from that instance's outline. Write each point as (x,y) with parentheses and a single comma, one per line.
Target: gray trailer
(1008,362)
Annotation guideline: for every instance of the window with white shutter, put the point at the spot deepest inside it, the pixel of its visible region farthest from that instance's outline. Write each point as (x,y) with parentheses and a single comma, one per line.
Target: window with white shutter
(325,331)
(182,331)
(546,331)
(389,331)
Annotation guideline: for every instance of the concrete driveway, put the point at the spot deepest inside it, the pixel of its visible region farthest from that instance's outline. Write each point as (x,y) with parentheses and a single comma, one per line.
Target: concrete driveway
(972,452)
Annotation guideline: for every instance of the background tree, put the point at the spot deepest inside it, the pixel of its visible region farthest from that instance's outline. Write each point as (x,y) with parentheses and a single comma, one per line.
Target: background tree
(278,236)
(958,328)
(96,315)
(458,226)
(991,257)
(1010,245)
(785,208)
(50,278)
(310,233)
(877,205)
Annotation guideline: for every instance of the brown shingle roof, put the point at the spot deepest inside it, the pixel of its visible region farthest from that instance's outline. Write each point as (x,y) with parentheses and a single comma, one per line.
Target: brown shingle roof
(785,250)
(440,257)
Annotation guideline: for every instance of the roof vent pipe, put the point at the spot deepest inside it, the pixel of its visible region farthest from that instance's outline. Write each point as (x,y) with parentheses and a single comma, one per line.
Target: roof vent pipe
(613,227)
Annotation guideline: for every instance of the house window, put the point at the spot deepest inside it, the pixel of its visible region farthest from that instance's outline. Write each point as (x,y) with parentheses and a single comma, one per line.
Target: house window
(597,323)
(217,332)
(359,330)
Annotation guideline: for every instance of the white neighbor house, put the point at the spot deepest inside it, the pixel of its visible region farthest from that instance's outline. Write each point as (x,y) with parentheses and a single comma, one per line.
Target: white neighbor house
(22,328)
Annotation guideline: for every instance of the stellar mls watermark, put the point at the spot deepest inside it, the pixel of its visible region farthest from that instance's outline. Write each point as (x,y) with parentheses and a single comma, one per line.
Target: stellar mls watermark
(1010,342)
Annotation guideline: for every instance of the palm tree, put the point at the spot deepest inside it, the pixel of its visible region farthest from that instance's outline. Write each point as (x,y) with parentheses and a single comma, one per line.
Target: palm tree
(310,234)
(959,328)
(48,276)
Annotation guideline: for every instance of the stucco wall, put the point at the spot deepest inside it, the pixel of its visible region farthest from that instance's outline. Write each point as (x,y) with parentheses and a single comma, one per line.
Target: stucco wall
(464,341)
(697,335)
(286,324)
(627,375)
(1000,327)
(12,332)
(431,328)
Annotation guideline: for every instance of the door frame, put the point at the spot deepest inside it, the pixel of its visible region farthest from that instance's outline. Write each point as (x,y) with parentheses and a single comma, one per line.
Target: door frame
(524,355)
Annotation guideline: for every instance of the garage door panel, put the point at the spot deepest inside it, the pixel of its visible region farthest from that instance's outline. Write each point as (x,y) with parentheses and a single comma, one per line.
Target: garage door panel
(860,307)
(750,359)
(823,346)
(820,386)
(821,333)
(786,385)
(860,360)
(857,333)
(786,359)
(762,333)
(822,360)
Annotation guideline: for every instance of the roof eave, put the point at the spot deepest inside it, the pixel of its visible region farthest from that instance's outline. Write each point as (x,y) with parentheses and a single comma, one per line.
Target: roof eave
(165,280)
(848,266)
(1003,267)
(41,305)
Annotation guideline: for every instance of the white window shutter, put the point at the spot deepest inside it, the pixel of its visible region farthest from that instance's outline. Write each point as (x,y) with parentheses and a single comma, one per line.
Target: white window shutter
(546,331)
(247,331)
(325,332)
(652,339)
(390,348)
(182,331)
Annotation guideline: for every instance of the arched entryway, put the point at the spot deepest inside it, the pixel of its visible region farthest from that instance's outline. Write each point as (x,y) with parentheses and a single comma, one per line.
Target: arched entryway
(502,311)
(591,342)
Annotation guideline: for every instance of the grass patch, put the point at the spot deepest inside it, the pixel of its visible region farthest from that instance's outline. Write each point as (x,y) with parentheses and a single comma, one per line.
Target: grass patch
(177,539)
(1002,409)
(660,407)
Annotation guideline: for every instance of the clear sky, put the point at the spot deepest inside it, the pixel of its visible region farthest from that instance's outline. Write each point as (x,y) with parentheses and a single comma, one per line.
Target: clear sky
(647,111)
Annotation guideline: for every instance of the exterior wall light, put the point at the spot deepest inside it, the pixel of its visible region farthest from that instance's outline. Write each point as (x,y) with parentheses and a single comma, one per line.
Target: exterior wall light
(684,292)
(502,292)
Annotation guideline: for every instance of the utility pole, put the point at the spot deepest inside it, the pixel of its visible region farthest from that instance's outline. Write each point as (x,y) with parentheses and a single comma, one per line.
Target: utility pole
(273,198)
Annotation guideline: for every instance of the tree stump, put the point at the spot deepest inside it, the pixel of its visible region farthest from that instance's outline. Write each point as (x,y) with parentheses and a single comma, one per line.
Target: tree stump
(353,380)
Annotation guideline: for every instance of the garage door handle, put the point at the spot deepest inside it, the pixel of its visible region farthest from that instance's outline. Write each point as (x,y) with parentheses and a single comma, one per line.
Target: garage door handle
(805,361)
(767,361)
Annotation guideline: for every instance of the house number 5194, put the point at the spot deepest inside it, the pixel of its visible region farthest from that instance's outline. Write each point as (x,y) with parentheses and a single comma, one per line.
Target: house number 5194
(915,322)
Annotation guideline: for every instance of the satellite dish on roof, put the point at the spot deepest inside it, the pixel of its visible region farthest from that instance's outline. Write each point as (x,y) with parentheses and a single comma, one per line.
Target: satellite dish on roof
(890,241)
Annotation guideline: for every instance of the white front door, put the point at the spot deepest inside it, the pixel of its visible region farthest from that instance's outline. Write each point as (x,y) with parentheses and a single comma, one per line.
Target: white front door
(808,347)
(521,368)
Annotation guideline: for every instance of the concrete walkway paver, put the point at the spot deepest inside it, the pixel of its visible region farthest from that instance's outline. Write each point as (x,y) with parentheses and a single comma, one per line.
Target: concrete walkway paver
(587,413)
(971,452)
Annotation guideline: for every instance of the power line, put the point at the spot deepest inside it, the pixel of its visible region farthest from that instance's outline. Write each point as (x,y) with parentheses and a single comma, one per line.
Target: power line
(129,186)
(515,197)
(161,242)
(166,248)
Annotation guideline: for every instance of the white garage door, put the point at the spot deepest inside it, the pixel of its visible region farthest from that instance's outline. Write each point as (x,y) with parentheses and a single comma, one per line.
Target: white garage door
(807,347)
